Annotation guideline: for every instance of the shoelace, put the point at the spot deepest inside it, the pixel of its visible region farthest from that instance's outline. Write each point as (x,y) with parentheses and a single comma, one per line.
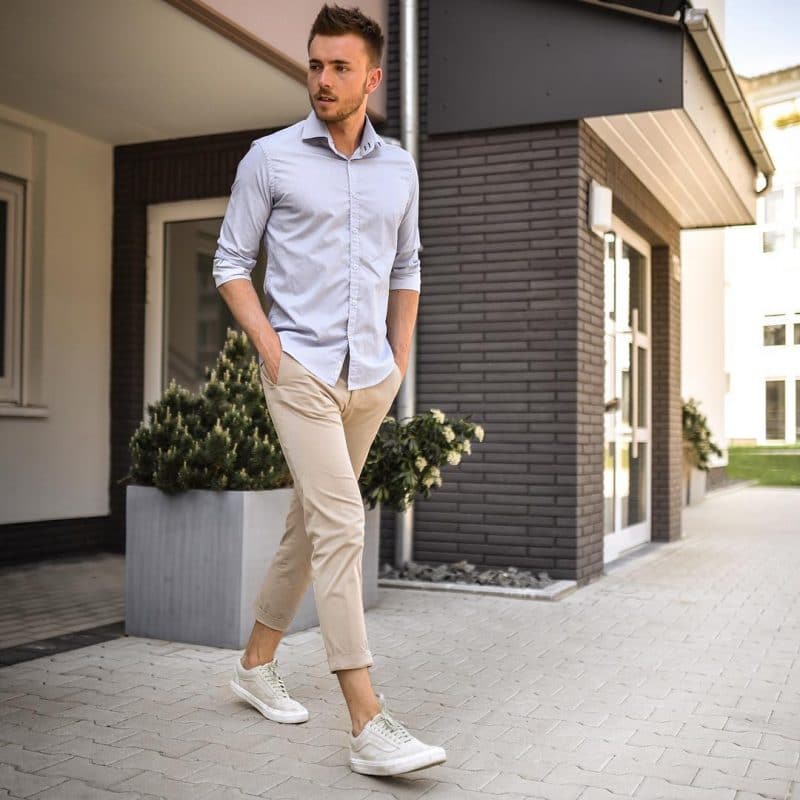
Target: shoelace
(270,675)
(392,728)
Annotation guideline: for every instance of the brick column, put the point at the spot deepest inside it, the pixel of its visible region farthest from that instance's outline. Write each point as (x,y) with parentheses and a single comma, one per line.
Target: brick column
(667,424)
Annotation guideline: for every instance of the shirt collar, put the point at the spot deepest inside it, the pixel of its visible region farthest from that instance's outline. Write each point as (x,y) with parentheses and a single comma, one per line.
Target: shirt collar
(315,129)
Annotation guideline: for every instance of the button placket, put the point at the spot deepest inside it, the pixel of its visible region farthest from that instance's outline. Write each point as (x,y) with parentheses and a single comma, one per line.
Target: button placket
(355,254)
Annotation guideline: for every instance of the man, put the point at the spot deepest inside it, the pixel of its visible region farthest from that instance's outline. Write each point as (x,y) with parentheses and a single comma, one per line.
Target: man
(338,210)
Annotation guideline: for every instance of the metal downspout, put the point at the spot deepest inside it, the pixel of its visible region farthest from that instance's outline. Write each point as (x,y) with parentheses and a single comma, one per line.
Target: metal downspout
(409,121)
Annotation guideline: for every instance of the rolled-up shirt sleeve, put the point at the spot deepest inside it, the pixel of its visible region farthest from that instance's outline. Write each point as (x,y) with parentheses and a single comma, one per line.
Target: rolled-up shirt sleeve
(405,272)
(245,218)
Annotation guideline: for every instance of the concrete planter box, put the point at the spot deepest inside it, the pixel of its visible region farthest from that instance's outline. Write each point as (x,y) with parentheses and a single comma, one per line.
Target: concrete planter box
(694,485)
(194,563)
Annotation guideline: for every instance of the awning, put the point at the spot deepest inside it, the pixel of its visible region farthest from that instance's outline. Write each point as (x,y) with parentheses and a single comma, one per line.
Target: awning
(701,159)
(125,72)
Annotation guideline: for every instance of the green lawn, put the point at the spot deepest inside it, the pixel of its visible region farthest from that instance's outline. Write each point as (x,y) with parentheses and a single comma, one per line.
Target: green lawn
(770,466)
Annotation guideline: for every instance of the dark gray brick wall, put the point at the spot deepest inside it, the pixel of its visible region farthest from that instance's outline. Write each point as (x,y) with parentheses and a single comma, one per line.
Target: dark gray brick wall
(510,333)
(498,336)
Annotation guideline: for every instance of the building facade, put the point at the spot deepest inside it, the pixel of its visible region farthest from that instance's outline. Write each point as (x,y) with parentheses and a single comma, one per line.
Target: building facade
(762,264)
(556,329)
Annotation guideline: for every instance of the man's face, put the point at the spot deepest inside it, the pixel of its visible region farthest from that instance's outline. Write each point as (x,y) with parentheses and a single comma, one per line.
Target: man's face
(339,76)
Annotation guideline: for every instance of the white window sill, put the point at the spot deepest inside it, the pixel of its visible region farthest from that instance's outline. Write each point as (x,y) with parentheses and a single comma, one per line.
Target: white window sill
(36,412)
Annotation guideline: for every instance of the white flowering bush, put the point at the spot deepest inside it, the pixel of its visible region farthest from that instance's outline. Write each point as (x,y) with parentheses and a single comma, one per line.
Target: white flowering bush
(406,457)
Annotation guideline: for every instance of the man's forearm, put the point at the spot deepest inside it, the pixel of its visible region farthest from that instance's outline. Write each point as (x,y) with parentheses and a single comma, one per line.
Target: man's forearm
(401,316)
(242,300)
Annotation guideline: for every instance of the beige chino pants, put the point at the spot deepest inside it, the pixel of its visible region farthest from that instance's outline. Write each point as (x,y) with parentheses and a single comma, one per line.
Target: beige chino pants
(325,434)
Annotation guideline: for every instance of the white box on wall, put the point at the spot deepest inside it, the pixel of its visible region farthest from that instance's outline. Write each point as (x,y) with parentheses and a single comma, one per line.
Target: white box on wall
(600,198)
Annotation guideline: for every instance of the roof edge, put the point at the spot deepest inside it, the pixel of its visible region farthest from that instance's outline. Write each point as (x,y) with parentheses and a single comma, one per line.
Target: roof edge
(705,37)
(610,5)
(198,10)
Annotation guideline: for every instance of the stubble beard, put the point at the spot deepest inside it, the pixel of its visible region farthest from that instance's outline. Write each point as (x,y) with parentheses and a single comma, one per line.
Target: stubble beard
(339,116)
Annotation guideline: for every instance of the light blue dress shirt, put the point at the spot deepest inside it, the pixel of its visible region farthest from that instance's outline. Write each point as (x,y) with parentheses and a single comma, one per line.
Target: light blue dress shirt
(340,234)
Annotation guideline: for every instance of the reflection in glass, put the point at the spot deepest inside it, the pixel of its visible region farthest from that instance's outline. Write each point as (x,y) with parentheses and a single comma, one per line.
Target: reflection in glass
(638,285)
(624,480)
(196,316)
(797,411)
(772,241)
(642,388)
(776,410)
(610,284)
(637,500)
(608,487)
(3,269)
(774,335)
(624,367)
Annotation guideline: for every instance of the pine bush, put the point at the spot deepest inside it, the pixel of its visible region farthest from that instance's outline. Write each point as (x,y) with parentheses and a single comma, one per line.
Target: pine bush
(219,438)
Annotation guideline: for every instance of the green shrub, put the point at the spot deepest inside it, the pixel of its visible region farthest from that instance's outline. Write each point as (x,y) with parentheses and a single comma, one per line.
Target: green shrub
(224,438)
(697,444)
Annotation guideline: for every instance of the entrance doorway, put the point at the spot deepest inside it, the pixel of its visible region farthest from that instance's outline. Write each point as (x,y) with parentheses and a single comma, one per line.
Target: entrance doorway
(186,320)
(627,441)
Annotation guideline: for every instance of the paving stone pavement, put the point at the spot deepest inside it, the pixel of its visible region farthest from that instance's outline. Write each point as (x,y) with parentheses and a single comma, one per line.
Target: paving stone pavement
(56,596)
(676,675)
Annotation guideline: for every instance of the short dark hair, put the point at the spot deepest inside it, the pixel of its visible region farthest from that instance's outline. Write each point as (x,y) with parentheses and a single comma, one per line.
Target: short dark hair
(334,20)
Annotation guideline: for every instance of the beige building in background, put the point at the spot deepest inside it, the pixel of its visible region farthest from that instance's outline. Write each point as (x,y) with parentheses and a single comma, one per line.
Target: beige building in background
(741,290)
(762,281)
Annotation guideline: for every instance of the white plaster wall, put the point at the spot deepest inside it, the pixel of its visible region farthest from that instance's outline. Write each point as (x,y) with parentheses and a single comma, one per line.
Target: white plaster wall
(284,25)
(758,284)
(58,467)
(703,335)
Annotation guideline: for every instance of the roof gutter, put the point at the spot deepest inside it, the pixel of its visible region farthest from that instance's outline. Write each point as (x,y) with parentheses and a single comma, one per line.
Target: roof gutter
(701,28)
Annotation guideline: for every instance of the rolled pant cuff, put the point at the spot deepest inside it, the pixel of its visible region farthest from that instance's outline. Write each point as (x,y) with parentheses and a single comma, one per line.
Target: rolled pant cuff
(270,621)
(352,661)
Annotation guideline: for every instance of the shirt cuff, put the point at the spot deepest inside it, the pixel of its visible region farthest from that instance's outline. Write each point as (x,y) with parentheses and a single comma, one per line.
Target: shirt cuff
(227,272)
(411,281)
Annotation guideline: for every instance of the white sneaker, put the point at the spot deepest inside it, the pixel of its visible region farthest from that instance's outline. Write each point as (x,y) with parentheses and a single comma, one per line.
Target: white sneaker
(264,689)
(385,747)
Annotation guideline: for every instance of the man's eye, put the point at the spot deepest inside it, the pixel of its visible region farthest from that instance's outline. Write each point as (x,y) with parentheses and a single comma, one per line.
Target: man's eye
(342,68)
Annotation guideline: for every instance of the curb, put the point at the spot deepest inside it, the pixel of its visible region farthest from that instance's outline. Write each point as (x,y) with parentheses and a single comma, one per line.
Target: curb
(555,591)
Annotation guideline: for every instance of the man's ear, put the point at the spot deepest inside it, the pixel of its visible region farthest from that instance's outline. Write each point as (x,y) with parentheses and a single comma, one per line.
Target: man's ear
(374,80)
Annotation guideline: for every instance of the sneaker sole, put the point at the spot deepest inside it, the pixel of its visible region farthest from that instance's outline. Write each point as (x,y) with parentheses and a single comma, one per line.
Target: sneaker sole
(275,714)
(399,766)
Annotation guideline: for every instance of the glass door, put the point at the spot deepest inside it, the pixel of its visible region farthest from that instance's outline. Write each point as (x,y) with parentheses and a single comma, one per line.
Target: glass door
(626,467)
(186,319)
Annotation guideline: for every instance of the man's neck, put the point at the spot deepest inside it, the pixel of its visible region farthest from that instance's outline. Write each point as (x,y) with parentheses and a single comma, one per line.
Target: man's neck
(347,134)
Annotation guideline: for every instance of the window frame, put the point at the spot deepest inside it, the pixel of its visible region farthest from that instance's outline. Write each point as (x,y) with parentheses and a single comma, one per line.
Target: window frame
(776,325)
(784,229)
(13,191)
(784,396)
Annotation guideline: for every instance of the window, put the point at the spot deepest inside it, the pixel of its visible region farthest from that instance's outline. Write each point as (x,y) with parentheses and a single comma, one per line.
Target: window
(797,333)
(12,230)
(772,241)
(776,410)
(772,207)
(797,411)
(780,220)
(774,335)
(797,217)
(772,237)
